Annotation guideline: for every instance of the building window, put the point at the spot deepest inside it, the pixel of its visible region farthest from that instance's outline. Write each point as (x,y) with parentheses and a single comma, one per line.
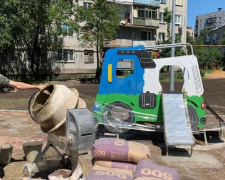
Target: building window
(163,1)
(88,56)
(146,35)
(177,19)
(153,14)
(87,5)
(161,19)
(141,13)
(179,2)
(177,38)
(161,36)
(215,37)
(11,55)
(66,30)
(146,13)
(65,55)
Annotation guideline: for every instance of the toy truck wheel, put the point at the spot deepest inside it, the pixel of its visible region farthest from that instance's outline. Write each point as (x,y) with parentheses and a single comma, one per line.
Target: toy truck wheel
(118,115)
(193,117)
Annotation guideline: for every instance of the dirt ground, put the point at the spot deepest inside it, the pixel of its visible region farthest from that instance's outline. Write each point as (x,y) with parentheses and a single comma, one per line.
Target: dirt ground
(207,162)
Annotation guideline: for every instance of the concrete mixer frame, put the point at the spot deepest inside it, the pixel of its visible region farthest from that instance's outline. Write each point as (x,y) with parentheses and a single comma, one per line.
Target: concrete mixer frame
(75,135)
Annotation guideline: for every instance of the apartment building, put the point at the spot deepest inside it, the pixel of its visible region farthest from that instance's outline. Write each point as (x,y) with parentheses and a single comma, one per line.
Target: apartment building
(211,20)
(215,36)
(73,59)
(180,19)
(191,32)
(143,23)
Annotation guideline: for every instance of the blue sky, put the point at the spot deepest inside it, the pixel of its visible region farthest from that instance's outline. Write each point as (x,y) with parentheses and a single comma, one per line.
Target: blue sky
(198,7)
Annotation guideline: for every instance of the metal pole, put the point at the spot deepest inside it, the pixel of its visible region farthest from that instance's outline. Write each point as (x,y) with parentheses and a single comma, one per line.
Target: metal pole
(172,49)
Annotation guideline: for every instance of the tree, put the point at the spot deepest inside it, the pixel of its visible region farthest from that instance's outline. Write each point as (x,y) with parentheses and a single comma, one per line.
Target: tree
(203,37)
(189,38)
(222,42)
(206,56)
(30,26)
(167,17)
(101,22)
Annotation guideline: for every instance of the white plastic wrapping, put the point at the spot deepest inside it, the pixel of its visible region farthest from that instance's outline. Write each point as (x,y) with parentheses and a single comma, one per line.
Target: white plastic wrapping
(176,121)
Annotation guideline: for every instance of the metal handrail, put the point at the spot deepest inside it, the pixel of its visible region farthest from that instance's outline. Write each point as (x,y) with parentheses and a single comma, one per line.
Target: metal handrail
(164,46)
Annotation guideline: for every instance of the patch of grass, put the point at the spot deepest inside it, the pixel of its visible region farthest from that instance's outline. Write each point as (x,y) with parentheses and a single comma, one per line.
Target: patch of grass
(177,78)
(204,72)
(22,100)
(208,71)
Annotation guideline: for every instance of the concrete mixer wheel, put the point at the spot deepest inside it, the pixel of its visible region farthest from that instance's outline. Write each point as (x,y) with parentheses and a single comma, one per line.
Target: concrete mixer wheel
(29,169)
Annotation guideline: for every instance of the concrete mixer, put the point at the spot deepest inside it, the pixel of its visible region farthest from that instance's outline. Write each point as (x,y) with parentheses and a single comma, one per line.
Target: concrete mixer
(69,125)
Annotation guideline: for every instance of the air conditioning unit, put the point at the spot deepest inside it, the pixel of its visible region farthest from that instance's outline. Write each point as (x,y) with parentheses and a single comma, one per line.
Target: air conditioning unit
(122,22)
(60,37)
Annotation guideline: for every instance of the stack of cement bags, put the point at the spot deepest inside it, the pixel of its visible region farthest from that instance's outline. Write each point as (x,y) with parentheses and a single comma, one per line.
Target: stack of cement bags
(117,159)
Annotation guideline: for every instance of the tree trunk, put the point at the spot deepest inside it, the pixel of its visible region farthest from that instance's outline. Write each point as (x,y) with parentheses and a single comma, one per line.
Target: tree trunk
(34,65)
(97,49)
(98,70)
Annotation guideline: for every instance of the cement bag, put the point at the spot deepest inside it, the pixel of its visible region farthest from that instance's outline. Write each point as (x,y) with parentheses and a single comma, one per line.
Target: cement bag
(115,164)
(120,150)
(60,174)
(103,173)
(148,170)
(64,174)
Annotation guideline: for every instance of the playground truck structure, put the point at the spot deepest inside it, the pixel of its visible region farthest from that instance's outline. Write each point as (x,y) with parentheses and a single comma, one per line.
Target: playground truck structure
(136,96)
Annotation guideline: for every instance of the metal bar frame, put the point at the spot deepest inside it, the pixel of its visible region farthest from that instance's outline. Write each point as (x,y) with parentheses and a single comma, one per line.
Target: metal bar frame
(164,46)
(48,145)
(42,153)
(205,137)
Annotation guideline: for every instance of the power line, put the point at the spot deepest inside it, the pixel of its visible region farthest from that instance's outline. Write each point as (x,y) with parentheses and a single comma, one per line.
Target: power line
(208,45)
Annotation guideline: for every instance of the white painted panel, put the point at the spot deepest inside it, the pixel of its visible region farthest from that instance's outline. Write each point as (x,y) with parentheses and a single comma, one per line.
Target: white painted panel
(192,78)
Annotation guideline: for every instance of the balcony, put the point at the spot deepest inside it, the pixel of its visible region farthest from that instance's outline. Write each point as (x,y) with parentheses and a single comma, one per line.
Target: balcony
(144,43)
(122,1)
(154,3)
(119,43)
(128,42)
(146,22)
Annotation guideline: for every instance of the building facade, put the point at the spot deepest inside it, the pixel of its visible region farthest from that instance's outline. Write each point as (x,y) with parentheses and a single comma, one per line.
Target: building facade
(143,22)
(73,59)
(180,18)
(215,36)
(212,20)
(191,32)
